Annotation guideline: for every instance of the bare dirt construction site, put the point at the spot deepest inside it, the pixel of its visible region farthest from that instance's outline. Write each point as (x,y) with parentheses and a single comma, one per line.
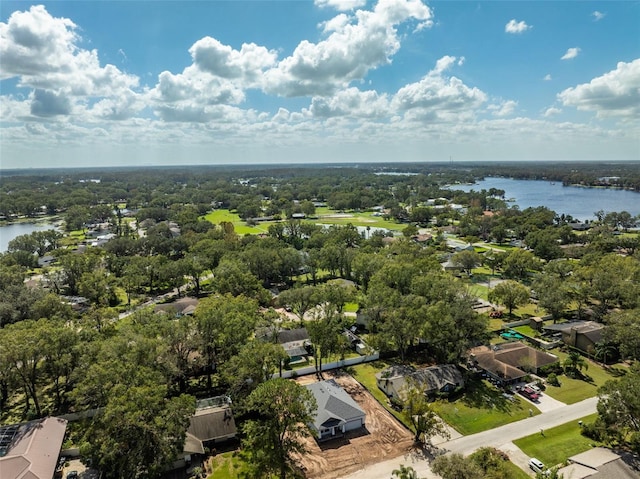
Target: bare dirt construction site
(384,438)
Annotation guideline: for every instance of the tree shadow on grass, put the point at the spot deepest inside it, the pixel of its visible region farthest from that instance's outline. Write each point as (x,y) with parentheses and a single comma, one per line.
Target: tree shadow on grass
(481,395)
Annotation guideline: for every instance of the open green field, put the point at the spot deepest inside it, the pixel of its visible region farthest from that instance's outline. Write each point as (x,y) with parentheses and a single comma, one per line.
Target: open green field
(241,227)
(332,217)
(324,216)
(558,443)
(575,390)
(482,407)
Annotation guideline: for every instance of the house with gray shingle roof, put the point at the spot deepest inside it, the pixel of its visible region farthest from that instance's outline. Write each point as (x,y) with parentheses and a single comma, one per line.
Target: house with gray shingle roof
(583,335)
(439,379)
(337,412)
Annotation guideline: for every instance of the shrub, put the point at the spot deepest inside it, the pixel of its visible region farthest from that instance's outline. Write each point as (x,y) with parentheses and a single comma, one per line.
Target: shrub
(594,430)
(553,379)
(555,368)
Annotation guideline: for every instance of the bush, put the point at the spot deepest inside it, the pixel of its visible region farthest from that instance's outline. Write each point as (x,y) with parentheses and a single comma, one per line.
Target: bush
(553,379)
(555,368)
(594,430)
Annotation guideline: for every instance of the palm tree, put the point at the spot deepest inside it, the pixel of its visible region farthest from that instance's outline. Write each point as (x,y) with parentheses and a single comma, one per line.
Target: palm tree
(604,350)
(574,363)
(405,472)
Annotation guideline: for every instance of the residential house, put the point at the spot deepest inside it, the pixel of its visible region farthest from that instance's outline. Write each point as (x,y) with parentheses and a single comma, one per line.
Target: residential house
(295,342)
(337,412)
(509,362)
(180,307)
(212,423)
(582,335)
(439,379)
(30,450)
(601,463)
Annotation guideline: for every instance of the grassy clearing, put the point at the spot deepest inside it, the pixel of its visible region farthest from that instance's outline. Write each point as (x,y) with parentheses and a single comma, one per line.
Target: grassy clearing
(228,465)
(241,227)
(482,407)
(575,390)
(351,307)
(333,217)
(479,290)
(558,443)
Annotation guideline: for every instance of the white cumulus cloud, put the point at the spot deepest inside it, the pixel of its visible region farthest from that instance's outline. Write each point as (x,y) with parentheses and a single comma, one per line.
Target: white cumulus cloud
(356,44)
(437,97)
(547,77)
(597,16)
(514,26)
(616,93)
(43,53)
(571,54)
(351,103)
(506,108)
(552,111)
(341,5)
(220,60)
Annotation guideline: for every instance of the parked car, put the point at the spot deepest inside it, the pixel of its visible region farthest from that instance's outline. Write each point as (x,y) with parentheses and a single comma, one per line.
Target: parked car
(529,393)
(536,465)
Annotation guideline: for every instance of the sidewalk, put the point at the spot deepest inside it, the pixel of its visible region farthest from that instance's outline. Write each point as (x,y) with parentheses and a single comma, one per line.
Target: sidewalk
(497,437)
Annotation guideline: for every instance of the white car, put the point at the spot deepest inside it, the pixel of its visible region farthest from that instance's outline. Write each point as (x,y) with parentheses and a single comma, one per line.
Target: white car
(536,464)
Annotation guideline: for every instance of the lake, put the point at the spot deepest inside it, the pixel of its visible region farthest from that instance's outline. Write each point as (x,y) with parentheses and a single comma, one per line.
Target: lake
(579,202)
(9,232)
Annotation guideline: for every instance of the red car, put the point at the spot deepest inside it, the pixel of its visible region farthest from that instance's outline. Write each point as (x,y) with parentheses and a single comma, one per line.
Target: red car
(529,393)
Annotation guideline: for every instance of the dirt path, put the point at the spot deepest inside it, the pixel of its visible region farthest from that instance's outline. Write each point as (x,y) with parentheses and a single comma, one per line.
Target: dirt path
(384,438)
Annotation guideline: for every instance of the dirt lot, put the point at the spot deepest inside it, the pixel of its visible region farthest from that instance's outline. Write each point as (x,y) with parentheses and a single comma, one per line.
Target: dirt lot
(384,438)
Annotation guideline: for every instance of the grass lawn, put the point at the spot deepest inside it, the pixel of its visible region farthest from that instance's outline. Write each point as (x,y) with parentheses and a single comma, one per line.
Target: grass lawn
(575,390)
(530,309)
(327,216)
(351,307)
(479,291)
(558,444)
(526,330)
(514,471)
(218,216)
(228,465)
(482,407)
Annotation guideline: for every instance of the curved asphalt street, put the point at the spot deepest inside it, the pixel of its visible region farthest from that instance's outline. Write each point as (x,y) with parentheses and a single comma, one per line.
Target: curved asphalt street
(500,437)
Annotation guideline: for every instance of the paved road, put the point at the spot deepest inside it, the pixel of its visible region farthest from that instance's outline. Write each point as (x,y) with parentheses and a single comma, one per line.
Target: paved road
(498,437)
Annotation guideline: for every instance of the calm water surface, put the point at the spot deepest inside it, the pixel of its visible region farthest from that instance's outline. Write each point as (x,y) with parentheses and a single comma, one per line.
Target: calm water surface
(581,203)
(9,232)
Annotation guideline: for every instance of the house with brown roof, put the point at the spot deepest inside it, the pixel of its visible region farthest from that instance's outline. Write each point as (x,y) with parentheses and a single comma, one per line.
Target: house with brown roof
(30,450)
(509,362)
(439,379)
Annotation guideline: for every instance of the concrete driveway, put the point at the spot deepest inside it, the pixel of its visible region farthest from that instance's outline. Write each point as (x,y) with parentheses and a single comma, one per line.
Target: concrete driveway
(545,403)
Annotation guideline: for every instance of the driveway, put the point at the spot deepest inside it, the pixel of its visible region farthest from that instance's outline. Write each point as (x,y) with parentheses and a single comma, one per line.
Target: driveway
(545,403)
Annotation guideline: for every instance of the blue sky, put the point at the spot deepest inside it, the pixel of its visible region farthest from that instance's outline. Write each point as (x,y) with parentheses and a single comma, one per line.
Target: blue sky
(105,83)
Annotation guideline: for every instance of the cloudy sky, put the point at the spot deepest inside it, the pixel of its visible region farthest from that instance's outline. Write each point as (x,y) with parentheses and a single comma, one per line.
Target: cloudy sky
(101,83)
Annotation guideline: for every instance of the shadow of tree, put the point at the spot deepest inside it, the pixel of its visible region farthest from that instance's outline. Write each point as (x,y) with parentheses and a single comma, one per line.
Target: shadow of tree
(481,395)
